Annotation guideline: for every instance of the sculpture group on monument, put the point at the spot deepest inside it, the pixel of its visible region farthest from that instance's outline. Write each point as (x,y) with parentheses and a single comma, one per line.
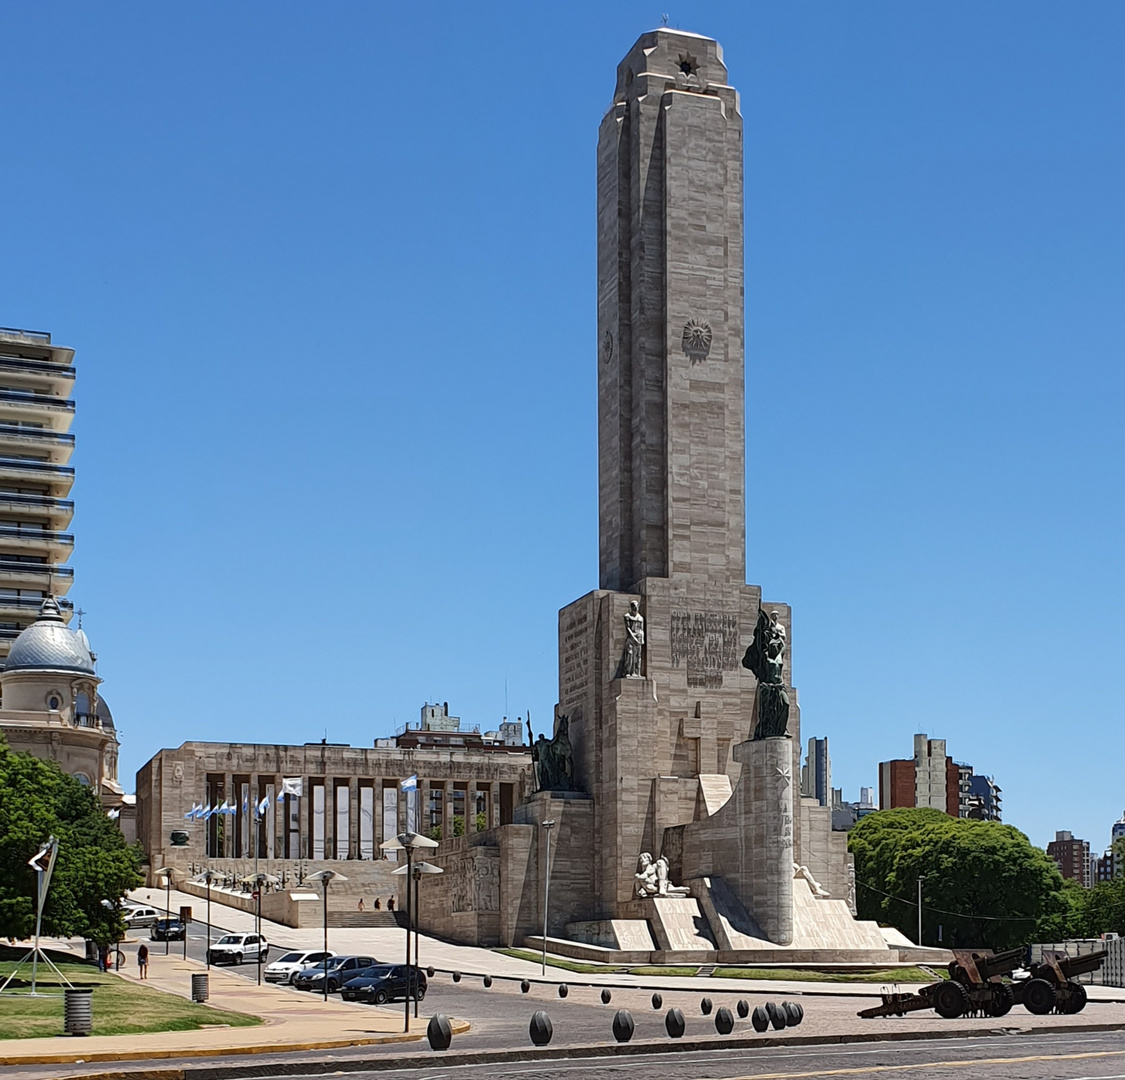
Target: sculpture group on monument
(668,779)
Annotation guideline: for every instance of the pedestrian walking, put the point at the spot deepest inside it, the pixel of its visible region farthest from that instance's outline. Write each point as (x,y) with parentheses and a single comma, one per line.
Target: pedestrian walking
(361,903)
(391,903)
(142,960)
(103,957)
(378,904)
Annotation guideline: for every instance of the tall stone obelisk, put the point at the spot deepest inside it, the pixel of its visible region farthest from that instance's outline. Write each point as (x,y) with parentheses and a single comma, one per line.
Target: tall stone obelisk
(653,736)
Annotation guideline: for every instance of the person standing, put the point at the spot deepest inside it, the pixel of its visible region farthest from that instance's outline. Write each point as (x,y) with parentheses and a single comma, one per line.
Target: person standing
(142,960)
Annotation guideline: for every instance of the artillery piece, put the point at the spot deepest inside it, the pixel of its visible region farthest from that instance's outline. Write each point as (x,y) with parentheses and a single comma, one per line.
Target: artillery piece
(974,985)
(1052,985)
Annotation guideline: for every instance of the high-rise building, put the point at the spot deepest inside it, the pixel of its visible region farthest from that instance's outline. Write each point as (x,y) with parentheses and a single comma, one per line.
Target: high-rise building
(1073,857)
(981,800)
(816,773)
(930,779)
(36,378)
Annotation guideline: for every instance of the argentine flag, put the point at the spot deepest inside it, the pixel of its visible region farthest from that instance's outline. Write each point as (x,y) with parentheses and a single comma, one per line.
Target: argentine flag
(263,806)
(190,815)
(410,783)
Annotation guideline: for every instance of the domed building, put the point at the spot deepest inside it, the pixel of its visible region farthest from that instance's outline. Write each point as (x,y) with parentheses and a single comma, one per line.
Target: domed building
(50,706)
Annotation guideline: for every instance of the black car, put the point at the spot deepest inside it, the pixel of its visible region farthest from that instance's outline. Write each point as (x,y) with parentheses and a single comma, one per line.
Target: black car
(339,968)
(385,983)
(167,930)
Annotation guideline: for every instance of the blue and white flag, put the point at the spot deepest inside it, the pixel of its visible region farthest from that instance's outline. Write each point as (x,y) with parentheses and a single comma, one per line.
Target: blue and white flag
(190,815)
(206,813)
(292,786)
(263,806)
(223,808)
(410,783)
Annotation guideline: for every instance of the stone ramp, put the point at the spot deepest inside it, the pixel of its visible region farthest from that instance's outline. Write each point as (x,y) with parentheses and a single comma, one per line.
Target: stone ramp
(679,926)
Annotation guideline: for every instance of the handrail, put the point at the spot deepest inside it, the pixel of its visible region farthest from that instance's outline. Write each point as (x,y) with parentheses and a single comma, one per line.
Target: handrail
(37,500)
(33,335)
(31,398)
(9,566)
(37,534)
(45,367)
(32,603)
(46,434)
(44,466)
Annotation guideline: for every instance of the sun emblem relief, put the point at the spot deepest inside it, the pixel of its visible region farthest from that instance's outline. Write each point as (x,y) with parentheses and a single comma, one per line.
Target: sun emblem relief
(696,341)
(607,347)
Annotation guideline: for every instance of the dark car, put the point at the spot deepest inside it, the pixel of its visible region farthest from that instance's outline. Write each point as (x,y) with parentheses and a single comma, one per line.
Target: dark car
(339,970)
(384,983)
(167,930)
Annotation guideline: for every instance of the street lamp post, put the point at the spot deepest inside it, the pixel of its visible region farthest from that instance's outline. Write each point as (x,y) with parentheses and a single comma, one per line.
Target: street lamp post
(419,868)
(921,878)
(324,876)
(166,873)
(408,842)
(207,878)
(547,826)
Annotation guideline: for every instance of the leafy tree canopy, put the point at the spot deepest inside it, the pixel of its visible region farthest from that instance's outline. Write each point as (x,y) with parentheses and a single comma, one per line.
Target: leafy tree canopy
(984,884)
(37,799)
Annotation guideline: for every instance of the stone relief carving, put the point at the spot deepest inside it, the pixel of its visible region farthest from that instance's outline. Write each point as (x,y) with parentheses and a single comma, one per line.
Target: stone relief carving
(804,872)
(607,347)
(632,665)
(653,878)
(696,341)
(766,659)
(553,759)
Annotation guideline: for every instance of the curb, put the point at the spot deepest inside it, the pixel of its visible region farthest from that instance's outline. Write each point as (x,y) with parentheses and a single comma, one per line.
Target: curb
(446,1059)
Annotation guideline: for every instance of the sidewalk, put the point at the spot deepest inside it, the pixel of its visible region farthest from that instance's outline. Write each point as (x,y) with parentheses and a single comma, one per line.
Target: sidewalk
(292,1021)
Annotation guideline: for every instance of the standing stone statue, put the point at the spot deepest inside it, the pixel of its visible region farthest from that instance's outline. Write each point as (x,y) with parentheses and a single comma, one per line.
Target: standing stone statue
(632,664)
(766,659)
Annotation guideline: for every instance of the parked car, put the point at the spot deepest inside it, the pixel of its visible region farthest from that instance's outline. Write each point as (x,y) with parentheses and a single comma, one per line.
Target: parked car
(236,948)
(168,930)
(338,970)
(137,917)
(385,982)
(284,968)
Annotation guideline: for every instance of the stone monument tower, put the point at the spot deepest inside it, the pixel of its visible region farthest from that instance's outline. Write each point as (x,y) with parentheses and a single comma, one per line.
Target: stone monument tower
(671,784)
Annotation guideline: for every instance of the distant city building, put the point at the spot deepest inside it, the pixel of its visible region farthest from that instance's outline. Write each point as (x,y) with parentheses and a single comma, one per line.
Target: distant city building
(36,411)
(846,814)
(933,779)
(436,729)
(816,773)
(1072,856)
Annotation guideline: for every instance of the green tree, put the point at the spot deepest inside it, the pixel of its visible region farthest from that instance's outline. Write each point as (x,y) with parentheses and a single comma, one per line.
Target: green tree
(984,884)
(37,799)
(1101,910)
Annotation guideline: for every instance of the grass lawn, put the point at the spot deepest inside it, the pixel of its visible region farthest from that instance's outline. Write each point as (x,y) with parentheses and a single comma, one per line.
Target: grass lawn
(910,974)
(120,1007)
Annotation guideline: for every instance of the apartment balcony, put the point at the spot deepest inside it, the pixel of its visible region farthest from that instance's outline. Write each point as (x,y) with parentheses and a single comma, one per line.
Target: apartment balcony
(22,540)
(56,380)
(56,446)
(25,609)
(51,412)
(47,577)
(57,479)
(15,508)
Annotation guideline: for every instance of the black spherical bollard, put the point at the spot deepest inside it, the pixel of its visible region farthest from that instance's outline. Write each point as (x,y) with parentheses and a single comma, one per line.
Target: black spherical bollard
(777,1015)
(705,1006)
(724,1021)
(623,1026)
(743,1009)
(794,1013)
(540,1028)
(525,986)
(674,1024)
(607,997)
(439,1032)
(760,1018)
(657,1001)
(430,972)
(487,981)
(563,989)
(457,976)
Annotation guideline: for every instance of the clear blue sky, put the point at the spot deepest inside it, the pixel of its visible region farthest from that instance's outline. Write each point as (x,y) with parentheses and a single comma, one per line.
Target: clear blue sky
(329,272)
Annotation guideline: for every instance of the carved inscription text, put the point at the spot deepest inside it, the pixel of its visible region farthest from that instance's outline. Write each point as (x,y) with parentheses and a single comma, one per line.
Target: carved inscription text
(707,642)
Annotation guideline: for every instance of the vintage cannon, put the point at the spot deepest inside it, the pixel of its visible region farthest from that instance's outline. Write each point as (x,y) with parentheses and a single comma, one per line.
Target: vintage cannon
(1051,984)
(974,985)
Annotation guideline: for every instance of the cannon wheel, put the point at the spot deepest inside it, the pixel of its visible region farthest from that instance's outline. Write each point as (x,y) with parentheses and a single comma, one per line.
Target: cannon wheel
(1076,997)
(1001,1001)
(1039,997)
(951,999)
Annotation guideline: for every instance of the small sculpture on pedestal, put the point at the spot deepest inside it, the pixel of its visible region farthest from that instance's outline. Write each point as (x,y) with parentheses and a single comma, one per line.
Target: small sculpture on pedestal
(766,659)
(652,878)
(632,664)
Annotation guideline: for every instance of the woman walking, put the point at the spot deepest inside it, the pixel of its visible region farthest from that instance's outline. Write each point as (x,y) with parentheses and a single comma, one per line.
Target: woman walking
(142,960)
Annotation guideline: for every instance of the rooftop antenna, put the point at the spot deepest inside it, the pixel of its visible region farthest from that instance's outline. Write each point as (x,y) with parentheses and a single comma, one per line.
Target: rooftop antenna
(505,697)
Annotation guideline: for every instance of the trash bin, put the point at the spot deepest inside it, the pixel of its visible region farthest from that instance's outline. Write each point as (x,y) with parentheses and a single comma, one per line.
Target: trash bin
(200,990)
(78,1011)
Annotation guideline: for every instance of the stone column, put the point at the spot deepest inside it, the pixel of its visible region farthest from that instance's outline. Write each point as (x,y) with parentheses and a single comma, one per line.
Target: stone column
(447,810)
(767,766)
(230,821)
(471,808)
(353,816)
